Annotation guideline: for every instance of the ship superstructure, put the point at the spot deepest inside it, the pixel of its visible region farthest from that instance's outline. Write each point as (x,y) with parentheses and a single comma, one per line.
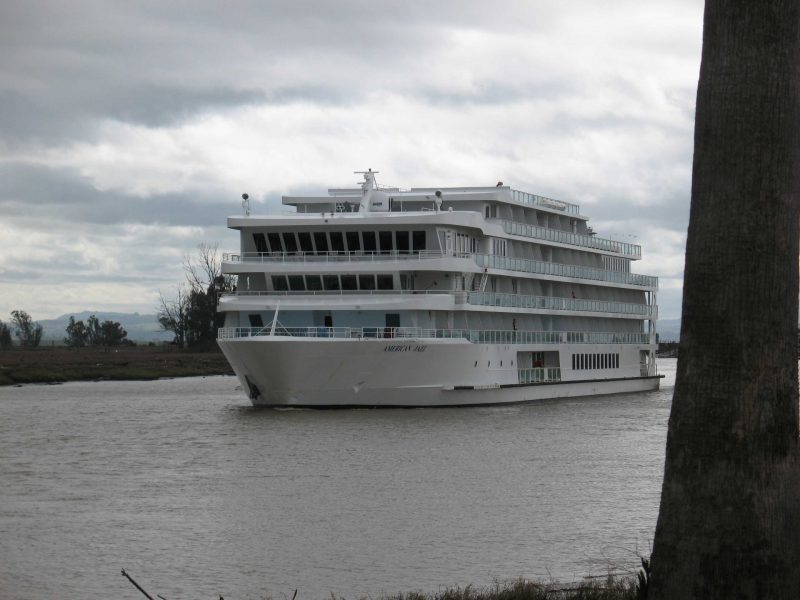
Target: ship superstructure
(379,296)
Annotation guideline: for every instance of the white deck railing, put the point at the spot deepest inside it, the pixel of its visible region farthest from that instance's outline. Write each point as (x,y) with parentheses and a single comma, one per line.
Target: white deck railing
(566,237)
(478,299)
(330,257)
(539,374)
(536,200)
(476,336)
(551,303)
(549,268)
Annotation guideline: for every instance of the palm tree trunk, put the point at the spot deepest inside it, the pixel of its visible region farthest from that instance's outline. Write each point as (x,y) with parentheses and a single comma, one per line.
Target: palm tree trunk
(729,522)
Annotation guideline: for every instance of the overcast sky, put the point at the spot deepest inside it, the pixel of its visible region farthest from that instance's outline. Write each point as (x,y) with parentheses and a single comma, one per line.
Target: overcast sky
(128,131)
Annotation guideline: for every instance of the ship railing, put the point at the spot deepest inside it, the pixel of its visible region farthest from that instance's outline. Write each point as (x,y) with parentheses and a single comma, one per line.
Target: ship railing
(566,237)
(476,336)
(327,257)
(536,200)
(334,293)
(557,303)
(525,265)
(539,374)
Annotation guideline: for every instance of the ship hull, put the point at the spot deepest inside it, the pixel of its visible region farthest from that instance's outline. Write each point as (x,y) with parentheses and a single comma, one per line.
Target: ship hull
(334,373)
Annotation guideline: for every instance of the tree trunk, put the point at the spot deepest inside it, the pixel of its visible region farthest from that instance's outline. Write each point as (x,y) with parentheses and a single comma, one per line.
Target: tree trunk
(729,522)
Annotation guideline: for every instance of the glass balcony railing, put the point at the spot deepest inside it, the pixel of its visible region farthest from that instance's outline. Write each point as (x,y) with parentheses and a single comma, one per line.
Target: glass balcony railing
(476,336)
(329,257)
(535,200)
(539,374)
(547,268)
(566,237)
(550,303)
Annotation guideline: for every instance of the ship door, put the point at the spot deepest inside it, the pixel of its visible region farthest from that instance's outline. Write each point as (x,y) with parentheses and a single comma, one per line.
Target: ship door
(392,323)
(328,320)
(448,242)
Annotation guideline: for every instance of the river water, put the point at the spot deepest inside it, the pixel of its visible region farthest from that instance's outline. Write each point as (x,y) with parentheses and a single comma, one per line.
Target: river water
(196,494)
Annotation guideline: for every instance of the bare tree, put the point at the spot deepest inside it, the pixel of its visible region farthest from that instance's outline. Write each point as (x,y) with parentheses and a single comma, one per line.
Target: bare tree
(28,332)
(729,522)
(5,336)
(173,315)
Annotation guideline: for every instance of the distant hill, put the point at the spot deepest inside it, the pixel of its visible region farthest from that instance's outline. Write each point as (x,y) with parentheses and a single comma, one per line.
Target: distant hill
(669,330)
(140,328)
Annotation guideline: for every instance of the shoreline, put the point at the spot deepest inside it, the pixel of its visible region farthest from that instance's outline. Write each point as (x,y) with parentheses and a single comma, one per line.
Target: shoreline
(59,364)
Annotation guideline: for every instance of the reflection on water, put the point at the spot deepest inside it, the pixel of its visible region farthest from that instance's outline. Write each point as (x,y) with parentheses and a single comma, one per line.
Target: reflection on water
(197,494)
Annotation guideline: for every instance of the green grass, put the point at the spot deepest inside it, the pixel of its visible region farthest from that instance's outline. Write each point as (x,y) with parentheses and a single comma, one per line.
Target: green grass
(612,588)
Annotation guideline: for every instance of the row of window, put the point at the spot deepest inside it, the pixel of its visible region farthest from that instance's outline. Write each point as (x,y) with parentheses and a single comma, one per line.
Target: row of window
(595,361)
(315,283)
(340,241)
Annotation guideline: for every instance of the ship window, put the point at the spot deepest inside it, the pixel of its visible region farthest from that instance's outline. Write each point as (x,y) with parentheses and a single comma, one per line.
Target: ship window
(328,321)
(313,283)
(321,241)
(279,283)
(255,320)
(337,241)
(402,242)
(261,243)
(418,241)
(488,211)
(385,282)
(370,245)
(385,238)
(305,241)
(289,242)
(296,283)
(573,362)
(275,242)
(366,282)
(330,282)
(353,241)
(349,282)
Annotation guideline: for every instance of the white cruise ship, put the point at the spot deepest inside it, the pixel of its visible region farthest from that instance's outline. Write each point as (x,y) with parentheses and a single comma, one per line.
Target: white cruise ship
(388,297)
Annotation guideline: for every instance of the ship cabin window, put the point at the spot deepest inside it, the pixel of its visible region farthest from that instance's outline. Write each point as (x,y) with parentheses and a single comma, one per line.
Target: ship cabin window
(330,282)
(337,241)
(488,212)
(255,320)
(349,282)
(402,242)
(385,239)
(321,241)
(275,242)
(289,242)
(296,283)
(279,283)
(406,281)
(313,283)
(328,321)
(370,244)
(353,241)
(261,243)
(418,241)
(385,282)
(305,242)
(366,282)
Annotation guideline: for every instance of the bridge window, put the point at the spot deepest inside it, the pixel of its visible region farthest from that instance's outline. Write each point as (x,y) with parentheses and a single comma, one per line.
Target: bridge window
(385,282)
(321,241)
(366,282)
(337,241)
(385,238)
(418,241)
(402,242)
(349,282)
(305,241)
(330,282)
(353,241)
(370,244)
(289,242)
(275,242)
(279,283)
(296,283)
(261,242)
(313,283)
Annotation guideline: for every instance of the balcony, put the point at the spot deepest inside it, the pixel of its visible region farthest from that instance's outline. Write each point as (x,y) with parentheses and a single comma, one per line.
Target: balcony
(330,257)
(565,237)
(475,336)
(544,202)
(551,303)
(539,375)
(561,270)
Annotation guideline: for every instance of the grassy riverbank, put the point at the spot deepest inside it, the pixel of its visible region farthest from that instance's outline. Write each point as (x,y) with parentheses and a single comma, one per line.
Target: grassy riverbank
(611,589)
(59,364)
